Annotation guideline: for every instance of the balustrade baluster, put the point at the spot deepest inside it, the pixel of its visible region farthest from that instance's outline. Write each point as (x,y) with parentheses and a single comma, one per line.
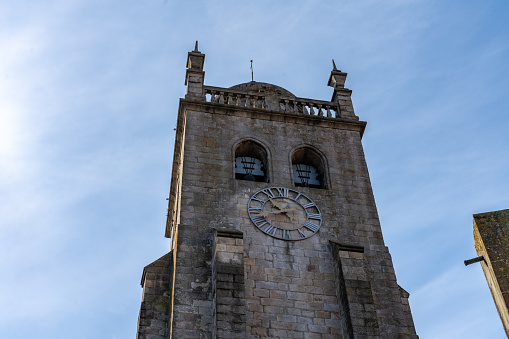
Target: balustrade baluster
(311,110)
(329,114)
(287,106)
(320,111)
(300,108)
(259,102)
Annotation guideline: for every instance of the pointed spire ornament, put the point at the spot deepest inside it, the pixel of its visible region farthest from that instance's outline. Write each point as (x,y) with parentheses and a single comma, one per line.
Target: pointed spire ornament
(196,47)
(337,78)
(252,77)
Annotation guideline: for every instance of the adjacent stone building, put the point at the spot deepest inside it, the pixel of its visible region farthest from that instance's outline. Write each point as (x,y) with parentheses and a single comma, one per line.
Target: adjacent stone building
(491,240)
(273,225)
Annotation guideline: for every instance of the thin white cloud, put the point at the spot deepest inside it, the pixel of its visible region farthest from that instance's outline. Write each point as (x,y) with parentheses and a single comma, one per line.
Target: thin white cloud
(458,288)
(88,98)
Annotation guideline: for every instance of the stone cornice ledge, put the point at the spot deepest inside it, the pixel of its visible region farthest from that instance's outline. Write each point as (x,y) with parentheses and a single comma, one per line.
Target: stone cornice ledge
(216,108)
(348,247)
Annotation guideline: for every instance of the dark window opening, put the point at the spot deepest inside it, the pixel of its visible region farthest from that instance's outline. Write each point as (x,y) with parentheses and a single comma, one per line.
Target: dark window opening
(308,169)
(250,162)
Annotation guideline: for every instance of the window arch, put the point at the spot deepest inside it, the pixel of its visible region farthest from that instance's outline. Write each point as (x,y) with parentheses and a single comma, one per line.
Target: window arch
(308,168)
(251,162)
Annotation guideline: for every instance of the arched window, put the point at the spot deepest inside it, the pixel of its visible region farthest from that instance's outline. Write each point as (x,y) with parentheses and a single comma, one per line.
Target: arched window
(251,162)
(308,168)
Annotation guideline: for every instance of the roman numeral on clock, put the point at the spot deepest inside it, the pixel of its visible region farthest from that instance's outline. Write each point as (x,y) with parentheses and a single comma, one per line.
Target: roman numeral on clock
(286,235)
(271,229)
(315,216)
(269,193)
(310,226)
(283,192)
(259,221)
(255,210)
(260,201)
(301,233)
(311,204)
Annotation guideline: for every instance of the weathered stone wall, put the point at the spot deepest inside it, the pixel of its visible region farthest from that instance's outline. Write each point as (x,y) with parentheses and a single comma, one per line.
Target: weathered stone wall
(192,295)
(491,239)
(290,288)
(230,303)
(155,305)
(358,312)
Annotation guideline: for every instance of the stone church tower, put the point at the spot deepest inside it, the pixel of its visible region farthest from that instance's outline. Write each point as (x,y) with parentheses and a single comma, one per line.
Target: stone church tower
(273,225)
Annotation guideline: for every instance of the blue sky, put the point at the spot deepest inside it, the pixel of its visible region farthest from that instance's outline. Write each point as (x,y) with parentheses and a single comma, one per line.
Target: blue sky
(89,93)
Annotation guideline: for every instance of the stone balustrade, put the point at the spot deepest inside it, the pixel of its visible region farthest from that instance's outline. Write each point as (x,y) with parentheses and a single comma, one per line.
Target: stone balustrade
(227,96)
(294,105)
(310,107)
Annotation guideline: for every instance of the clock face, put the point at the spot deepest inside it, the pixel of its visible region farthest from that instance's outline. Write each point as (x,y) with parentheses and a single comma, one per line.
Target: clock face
(284,213)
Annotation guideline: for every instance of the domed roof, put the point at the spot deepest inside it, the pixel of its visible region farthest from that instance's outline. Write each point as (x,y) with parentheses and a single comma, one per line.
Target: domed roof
(269,90)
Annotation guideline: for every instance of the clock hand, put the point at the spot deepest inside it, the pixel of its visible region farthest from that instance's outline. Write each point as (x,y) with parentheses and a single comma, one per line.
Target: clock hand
(293,209)
(264,214)
(275,204)
(291,217)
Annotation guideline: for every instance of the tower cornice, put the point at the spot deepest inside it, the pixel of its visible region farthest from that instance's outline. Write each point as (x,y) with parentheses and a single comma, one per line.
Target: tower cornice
(273,115)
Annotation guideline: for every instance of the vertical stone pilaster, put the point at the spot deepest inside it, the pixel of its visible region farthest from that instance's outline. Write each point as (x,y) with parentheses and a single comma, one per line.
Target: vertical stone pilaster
(357,312)
(230,304)
(155,305)
(192,304)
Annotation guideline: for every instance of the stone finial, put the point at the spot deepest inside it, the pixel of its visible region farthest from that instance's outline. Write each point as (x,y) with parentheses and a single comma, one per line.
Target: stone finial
(334,65)
(337,78)
(195,74)
(195,59)
(341,95)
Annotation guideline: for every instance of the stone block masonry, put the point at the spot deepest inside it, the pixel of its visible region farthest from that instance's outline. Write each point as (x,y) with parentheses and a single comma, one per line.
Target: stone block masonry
(230,303)
(155,306)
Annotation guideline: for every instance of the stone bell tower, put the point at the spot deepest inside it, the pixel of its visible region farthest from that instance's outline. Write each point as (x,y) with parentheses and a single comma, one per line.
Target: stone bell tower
(273,225)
